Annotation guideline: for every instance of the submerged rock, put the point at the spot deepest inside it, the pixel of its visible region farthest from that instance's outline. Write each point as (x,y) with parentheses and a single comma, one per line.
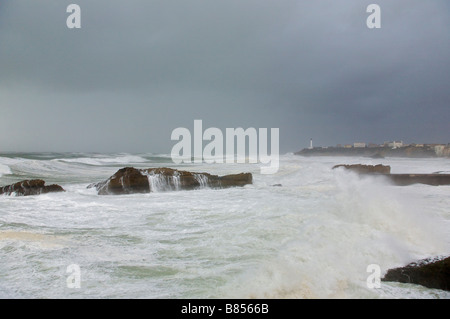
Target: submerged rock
(430,273)
(30,187)
(366,169)
(130,180)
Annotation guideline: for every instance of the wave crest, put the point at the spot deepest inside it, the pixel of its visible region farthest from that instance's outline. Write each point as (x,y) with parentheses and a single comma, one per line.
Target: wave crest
(98,161)
(4,170)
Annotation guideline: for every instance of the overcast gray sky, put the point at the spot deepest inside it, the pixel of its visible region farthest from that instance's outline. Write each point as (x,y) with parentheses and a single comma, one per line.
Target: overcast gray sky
(138,69)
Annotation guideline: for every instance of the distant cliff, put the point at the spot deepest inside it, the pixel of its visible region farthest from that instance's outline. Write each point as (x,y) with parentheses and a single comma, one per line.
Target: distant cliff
(374,152)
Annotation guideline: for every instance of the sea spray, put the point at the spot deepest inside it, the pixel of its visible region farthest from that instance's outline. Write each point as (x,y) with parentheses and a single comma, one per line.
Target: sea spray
(364,222)
(202,180)
(161,183)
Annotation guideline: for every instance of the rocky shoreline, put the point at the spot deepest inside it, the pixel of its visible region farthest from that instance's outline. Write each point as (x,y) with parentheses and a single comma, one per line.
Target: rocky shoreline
(130,180)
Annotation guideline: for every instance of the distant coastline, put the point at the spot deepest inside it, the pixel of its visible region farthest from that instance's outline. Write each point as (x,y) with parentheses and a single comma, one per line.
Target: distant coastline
(388,149)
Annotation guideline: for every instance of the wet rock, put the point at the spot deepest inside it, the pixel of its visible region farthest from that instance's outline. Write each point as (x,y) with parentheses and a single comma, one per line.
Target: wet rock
(235,180)
(130,180)
(367,169)
(30,187)
(127,180)
(431,273)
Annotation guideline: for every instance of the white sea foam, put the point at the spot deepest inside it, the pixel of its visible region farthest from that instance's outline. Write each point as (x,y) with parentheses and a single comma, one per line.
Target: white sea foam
(202,180)
(158,183)
(311,237)
(162,183)
(104,160)
(4,170)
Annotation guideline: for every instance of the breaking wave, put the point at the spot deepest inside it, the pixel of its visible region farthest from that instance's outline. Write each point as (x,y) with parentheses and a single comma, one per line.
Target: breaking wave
(4,170)
(102,160)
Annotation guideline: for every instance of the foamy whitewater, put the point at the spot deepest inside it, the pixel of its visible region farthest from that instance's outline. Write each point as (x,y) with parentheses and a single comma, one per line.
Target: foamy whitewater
(311,237)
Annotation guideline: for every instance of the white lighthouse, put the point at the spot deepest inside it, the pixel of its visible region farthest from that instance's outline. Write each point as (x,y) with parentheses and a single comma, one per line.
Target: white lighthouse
(310,145)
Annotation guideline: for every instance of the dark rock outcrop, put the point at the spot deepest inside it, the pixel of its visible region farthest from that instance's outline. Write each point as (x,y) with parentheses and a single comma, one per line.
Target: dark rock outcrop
(130,180)
(30,187)
(125,181)
(430,273)
(241,179)
(367,169)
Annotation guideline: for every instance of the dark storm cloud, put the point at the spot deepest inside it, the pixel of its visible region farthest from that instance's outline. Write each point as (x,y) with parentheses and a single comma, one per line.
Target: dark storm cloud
(138,69)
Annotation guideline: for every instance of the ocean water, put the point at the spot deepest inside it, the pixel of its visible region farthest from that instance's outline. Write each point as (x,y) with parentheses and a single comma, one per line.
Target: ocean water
(312,237)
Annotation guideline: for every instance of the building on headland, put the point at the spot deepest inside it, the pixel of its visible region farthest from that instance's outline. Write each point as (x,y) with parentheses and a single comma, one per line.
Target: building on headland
(387,149)
(359,145)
